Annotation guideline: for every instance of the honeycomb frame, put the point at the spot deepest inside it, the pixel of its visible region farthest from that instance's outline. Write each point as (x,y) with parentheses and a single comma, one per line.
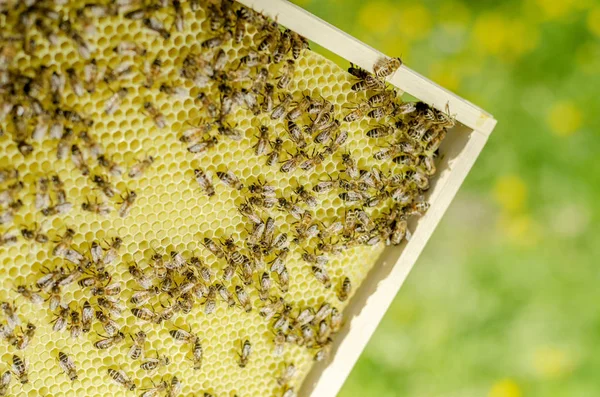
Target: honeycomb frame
(125,147)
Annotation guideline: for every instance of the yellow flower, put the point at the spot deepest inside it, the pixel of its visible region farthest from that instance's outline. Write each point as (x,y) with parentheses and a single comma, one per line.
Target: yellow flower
(445,75)
(505,388)
(593,21)
(520,229)
(511,193)
(490,32)
(415,22)
(557,9)
(454,11)
(564,118)
(508,39)
(551,362)
(376,16)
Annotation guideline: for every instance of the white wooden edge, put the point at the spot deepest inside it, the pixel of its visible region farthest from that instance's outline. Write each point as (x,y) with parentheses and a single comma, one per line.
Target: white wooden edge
(361,54)
(373,298)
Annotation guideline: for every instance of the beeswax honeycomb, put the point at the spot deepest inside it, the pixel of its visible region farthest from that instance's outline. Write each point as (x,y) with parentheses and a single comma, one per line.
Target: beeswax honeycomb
(171,211)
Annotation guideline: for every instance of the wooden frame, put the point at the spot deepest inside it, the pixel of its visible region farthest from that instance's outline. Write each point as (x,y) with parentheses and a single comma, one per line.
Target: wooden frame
(460,150)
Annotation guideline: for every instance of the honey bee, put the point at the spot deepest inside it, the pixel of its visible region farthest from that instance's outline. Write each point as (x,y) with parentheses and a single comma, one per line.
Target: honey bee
(272,308)
(96,207)
(230,132)
(140,167)
(5,380)
(295,134)
(126,203)
(35,234)
(273,157)
(323,313)
(220,60)
(260,147)
(183,336)
(146,314)
(8,215)
(104,184)
(289,392)
(75,326)
(345,290)
(112,307)
(321,275)
(214,248)
(380,131)
(19,368)
(142,297)
(8,173)
(197,354)
(385,67)
(245,354)
(284,280)
(243,298)
(248,212)
(268,94)
(204,180)
(283,47)
(8,334)
(157,117)
(369,82)
(10,313)
(157,26)
(151,72)
(23,339)
(113,250)
(305,196)
(299,44)
(60,320)
(7,238)
(67,365)
(152,364)
(139,276)
(175,387)
(78,160)
(253,59)
(156,390)
(8,195)
(114,102)
(210,303)
(217,41)
(318,260)
(293,162)
(107,290)
(42,196)
(120,378)
(358,112)
(287,375)
(231,180)
(203,145)
(109,341)
(129,48)
(280,110)
(225,294)
(256,235)
(137,348)
(180,92)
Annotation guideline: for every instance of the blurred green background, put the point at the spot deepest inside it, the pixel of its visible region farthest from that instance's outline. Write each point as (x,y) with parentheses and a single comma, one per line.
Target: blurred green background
(504,300)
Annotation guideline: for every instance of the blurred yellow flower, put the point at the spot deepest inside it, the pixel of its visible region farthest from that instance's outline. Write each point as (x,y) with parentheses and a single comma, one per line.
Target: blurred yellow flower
(445,75)
(593,21)
(550,362)
(505,388)
(454,11)
(376,16)
(557,9)
(511,193)
(521,230)
(496,34)
(564,118)
(415,22)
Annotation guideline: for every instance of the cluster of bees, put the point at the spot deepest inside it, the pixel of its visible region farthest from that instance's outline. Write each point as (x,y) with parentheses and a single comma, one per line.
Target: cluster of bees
(295,132)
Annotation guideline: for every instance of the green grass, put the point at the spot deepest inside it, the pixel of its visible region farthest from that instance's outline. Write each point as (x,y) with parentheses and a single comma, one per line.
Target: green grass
(502,303)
